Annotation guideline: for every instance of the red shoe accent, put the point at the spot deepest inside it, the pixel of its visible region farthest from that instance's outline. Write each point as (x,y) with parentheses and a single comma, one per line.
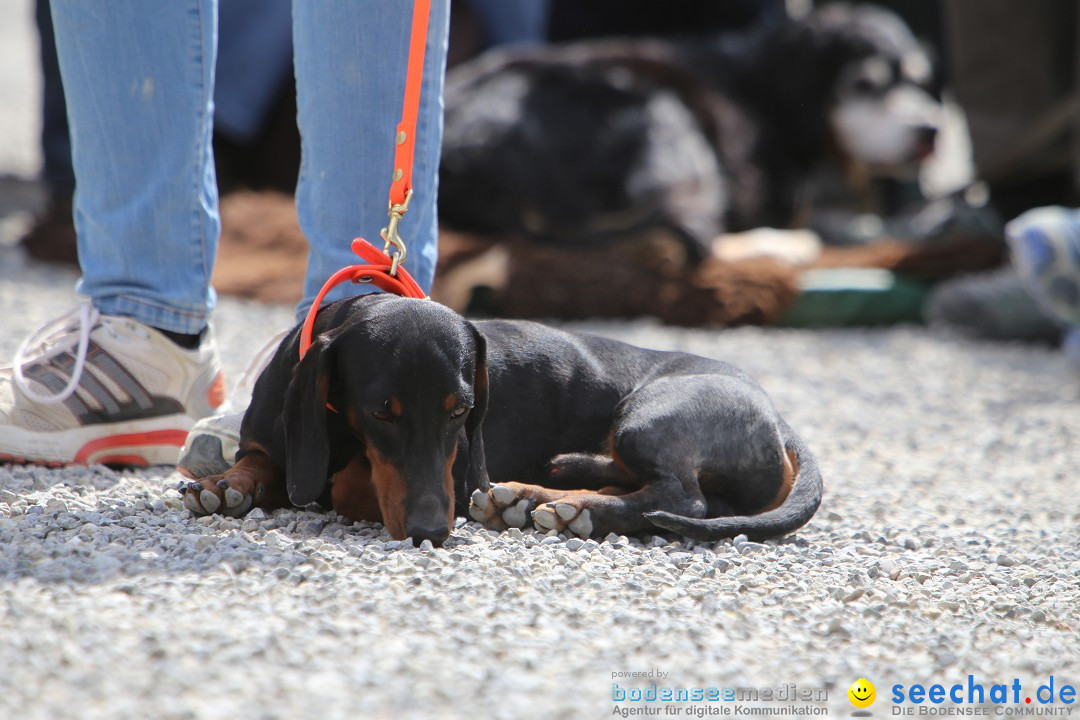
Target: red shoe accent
(156,437)
(125,460)
(216,394)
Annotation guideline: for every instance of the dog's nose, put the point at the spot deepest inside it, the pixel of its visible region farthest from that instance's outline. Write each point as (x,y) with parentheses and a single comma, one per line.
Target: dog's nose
(927,134)
(437,535)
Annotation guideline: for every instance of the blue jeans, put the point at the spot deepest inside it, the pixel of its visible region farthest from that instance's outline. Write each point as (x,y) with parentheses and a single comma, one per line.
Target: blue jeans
(139,81)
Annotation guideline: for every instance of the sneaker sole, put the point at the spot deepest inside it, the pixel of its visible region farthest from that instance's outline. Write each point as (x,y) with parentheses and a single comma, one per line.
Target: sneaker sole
(139,444)
(203,457)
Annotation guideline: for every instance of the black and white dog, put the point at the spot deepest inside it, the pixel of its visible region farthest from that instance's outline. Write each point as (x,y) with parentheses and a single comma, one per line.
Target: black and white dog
(597,140)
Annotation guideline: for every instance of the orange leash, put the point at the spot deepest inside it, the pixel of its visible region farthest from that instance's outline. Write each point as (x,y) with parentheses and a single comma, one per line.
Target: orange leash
(382,269)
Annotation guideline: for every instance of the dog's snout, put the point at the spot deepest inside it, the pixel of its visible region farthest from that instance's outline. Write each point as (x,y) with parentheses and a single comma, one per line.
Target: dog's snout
(437,535)
(428,520)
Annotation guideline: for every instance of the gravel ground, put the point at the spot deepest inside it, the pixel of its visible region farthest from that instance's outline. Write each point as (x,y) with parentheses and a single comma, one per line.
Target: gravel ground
(947,545)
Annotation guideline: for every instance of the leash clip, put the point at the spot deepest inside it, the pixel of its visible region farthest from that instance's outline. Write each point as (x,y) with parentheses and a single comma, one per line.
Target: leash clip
(390,234)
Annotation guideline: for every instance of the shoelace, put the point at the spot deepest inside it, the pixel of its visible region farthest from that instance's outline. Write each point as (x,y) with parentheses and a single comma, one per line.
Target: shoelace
(52,338)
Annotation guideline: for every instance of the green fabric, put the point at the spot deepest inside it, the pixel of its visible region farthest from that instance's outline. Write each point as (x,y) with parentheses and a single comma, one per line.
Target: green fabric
(856,296)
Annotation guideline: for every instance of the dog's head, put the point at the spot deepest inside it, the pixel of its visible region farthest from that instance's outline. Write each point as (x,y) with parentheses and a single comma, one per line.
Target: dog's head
(858,73)
(885,109)
(408,383)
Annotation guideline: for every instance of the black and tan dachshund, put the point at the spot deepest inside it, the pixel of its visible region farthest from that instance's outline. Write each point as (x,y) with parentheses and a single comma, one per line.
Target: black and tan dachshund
(402,410)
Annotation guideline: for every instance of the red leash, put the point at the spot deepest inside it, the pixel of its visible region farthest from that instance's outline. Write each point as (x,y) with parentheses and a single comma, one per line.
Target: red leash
(383,270)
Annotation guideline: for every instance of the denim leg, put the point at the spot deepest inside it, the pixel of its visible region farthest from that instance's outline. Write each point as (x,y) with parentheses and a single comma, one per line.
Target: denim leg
(139,81)
(350,60)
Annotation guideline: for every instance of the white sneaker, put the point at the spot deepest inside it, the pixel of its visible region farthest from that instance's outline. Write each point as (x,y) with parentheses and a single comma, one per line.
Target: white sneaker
(210,447)
(90,388)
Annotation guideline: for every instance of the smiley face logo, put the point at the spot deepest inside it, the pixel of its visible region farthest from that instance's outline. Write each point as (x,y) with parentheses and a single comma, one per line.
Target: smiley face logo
(862,693)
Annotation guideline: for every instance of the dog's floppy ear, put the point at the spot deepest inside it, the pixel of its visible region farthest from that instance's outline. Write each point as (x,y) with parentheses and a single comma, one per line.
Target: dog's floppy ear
(307,448)
(476,476)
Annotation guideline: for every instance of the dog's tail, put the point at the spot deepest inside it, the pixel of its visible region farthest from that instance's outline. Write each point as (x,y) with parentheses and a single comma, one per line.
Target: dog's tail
(796,510)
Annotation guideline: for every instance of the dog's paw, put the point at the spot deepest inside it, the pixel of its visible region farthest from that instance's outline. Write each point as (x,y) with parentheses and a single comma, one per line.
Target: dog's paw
(215,495)
(500,508)
(561,516)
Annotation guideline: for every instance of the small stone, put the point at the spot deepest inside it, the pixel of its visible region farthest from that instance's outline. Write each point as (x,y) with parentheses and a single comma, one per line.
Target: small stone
(55,506)
(552,540)
(256,514)
(854,595)
(745,548)
(1005,561)
(575,544)
(426,545)
(739,540)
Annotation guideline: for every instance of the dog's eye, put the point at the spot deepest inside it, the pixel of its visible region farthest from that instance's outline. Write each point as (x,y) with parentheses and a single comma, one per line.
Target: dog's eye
(458,412)
(383,414)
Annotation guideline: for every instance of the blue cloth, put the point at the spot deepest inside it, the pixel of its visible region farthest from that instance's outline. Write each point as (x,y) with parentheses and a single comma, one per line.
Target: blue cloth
(254,62)
(139,80)
(1045,245)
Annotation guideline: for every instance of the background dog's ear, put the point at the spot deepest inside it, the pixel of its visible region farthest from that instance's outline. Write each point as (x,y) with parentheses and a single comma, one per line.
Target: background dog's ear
(307,448)
(476,476)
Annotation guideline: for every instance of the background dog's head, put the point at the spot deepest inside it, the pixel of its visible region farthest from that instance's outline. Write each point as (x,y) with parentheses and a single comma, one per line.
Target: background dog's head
(856,73)
(886,112)
(408,383)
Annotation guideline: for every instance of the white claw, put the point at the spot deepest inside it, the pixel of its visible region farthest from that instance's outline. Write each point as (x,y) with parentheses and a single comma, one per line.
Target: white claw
(233,497)
(565,511)
(192,504)
(480,499)
(502,494)
(209,500)
(544,518)
(582,524)
(515,516)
